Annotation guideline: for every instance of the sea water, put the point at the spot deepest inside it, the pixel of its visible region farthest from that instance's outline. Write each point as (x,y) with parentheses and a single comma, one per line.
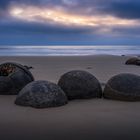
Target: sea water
(67,50)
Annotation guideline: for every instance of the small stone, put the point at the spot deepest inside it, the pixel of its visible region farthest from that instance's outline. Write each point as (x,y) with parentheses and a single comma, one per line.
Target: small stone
(80,85)
(41,94)
(89,68)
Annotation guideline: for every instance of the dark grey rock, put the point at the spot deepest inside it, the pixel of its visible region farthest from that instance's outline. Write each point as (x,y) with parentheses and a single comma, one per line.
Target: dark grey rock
(133,61)
(41,94)
(138,63)
(123,87)
(80,85)
(13,77)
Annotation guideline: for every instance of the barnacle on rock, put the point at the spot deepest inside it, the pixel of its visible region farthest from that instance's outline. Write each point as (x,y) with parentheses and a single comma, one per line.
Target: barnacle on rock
(7,69)
(13,77)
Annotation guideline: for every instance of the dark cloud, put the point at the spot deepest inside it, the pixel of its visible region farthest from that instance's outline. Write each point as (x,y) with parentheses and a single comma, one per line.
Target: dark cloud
(123,9)
(4,4)
(129,9)
(127,31)
(20,26)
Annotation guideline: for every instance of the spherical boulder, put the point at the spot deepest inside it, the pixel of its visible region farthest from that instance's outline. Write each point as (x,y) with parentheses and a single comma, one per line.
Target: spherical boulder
(13,77)
(79,84)
(123,87)
(41,94)
(133,61)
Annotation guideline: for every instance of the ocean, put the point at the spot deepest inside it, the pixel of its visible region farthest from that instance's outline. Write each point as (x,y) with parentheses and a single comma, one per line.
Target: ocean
(67,50)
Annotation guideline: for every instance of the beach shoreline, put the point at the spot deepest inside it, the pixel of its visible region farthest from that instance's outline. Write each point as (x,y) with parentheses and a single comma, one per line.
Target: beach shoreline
(80,119)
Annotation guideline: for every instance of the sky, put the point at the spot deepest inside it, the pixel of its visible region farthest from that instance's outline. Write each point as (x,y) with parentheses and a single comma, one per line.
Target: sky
(69,22)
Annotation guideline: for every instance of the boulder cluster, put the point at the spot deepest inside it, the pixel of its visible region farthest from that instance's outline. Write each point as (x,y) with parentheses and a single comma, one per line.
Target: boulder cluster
(72,85)
(16,79)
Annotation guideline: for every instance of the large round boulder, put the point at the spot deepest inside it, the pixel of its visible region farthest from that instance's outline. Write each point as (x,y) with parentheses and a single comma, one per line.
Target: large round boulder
(41,94)
(13,77)
(123,87)
(80,85)
(133,61)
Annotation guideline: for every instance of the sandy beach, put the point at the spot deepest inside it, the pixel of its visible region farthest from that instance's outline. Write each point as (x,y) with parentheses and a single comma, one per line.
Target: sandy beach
(92,119)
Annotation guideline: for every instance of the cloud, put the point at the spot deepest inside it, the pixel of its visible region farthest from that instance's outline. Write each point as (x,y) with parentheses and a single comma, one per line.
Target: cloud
(19,26)
(72,21)
(123,9)
(127,31)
